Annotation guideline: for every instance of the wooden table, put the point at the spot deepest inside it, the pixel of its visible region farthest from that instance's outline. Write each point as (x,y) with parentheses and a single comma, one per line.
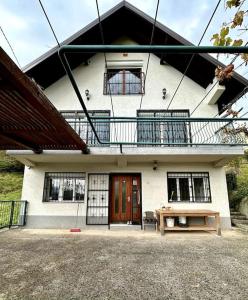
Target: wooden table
(163,213)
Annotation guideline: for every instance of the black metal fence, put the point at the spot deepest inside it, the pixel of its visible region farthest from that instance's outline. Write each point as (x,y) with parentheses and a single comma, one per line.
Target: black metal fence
(13,213)
(164,132)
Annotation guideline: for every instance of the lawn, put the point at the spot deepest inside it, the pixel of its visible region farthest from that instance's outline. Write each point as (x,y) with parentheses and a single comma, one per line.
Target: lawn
(102,264)
(11,177)
(10,185)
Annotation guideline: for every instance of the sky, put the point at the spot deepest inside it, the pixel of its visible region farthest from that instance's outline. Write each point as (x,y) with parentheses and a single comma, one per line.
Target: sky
(30,36)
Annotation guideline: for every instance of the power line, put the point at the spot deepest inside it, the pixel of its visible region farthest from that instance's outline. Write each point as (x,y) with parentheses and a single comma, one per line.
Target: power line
(12,50)
(192,57)
(238,97)
(244,115)
(149,55)
(44,11)
(237,55)
(241,94)
(205,96)
(106,64)
(105,57)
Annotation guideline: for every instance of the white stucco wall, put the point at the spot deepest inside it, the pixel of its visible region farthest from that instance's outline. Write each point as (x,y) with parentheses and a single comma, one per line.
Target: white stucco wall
(154,187)
(154,184)
(90,77)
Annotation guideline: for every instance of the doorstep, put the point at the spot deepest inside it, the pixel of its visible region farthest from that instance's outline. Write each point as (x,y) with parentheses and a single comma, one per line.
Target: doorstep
(124,227)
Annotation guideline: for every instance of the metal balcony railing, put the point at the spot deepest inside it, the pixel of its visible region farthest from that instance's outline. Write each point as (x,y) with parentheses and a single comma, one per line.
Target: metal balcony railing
(162,132)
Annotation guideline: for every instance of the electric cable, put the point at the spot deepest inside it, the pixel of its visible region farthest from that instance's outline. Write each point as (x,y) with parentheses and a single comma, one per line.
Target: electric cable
(149,54)
(44,11)
(106,64)
(196,107)
(11,48)
(192,57)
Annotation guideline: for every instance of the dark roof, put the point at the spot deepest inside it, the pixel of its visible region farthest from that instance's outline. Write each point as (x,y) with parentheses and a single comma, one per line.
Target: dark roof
(126,20)
(28,120)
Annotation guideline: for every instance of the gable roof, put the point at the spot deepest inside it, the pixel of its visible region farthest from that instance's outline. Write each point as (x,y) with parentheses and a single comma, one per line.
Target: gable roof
(129,21)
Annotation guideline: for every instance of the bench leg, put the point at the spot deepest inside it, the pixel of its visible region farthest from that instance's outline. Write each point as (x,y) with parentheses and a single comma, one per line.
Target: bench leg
(162,224)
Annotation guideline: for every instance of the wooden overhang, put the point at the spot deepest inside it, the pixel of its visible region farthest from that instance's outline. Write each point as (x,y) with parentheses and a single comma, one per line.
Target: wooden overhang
(126,20)
(28,120)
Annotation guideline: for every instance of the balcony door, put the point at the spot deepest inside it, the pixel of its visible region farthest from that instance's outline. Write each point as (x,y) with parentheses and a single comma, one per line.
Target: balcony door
(162,131)
(125,201)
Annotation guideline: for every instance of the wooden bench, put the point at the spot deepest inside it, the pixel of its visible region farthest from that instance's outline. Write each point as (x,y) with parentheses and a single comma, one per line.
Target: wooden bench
(163,213)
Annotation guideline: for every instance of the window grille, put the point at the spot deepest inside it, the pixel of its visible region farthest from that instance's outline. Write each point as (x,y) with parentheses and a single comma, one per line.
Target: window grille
(124,82)
(68,187)
(79,123)
(188,187)
(98,199)
(164,131)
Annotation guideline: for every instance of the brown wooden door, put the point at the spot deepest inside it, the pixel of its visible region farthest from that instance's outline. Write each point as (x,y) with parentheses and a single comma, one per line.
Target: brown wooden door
(125,199)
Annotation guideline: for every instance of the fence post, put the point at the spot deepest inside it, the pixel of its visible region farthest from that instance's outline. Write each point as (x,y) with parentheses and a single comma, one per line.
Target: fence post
(25,213)
(11,213)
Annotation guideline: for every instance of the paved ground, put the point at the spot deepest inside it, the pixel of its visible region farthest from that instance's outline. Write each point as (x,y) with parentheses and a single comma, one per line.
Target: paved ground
(122,265)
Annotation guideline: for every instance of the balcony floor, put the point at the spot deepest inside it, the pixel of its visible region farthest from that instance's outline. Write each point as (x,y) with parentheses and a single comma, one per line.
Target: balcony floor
(218,155)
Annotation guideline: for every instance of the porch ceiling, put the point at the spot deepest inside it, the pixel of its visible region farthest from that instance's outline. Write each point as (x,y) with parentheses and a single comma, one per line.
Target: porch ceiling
(28,120)
(218,157)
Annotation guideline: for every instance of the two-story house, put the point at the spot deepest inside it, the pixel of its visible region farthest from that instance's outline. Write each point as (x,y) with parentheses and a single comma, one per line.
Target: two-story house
(155,148)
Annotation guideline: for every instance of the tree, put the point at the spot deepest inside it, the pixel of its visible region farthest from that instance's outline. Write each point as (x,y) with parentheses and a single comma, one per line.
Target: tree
(225,36)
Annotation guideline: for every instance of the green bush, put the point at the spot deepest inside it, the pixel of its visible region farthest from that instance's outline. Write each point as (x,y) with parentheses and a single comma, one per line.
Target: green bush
(239,190)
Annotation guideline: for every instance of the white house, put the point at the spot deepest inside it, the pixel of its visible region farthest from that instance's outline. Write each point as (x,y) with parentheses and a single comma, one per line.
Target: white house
(150,154)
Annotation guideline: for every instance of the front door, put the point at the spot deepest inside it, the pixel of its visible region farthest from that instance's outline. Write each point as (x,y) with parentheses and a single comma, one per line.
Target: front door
(125,205)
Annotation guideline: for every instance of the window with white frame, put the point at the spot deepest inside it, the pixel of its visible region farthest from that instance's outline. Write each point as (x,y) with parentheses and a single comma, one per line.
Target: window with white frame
(61,187)
(188,187)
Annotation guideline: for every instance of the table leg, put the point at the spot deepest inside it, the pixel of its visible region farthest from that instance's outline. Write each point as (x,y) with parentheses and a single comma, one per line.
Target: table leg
(161,224)
(217,223)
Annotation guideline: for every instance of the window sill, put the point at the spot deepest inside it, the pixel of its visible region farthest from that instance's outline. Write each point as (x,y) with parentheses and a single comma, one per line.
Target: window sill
(61,202)
(124,95)
(190,202)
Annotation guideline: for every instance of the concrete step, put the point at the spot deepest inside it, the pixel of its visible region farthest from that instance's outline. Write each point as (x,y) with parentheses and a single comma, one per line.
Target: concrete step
(240,217)
(237,221)
(235,213)
(120,227)
(243,227)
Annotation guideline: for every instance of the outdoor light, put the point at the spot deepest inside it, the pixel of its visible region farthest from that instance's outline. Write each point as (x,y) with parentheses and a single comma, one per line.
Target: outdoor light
(164,92)
(87,94)
(155,165)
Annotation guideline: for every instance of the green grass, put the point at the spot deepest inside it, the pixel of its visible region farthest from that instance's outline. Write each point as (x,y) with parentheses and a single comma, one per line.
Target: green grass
(11,177)
(10,186)
(9,164)
(10,189)
(5,212)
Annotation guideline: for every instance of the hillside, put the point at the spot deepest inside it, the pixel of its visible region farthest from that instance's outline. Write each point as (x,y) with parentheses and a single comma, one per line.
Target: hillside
(11,176)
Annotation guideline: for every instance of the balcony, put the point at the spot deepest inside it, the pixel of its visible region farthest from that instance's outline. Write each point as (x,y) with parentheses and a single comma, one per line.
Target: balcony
(124,140)
(161,132)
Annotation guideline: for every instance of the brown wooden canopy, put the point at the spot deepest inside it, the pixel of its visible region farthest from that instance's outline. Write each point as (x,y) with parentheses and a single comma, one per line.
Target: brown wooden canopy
(28,120)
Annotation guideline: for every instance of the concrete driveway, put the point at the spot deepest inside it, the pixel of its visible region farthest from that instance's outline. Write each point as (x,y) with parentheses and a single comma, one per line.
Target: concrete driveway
(99,264)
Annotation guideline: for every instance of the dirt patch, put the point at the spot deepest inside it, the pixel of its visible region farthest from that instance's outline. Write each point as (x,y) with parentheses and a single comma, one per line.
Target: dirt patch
(122,265)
